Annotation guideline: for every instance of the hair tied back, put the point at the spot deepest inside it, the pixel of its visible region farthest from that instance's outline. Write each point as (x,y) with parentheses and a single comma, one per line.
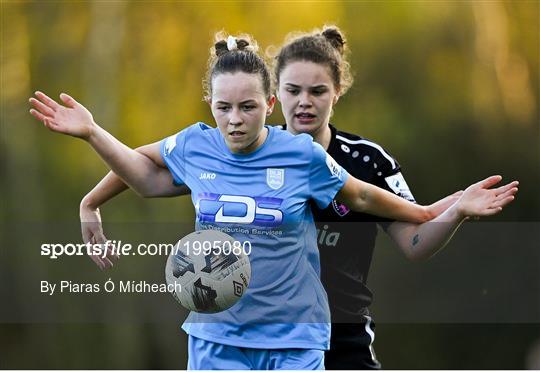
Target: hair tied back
(334,37)
(231,43)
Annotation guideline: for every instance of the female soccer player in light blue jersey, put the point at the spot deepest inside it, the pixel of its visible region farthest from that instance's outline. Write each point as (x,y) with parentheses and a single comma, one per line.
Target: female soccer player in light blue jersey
(262,182)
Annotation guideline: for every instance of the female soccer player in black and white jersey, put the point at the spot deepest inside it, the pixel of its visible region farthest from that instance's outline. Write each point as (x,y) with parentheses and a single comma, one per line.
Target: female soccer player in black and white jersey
(312,72)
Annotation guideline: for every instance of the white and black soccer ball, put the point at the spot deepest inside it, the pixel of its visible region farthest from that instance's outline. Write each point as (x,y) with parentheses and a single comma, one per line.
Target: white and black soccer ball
(209,270)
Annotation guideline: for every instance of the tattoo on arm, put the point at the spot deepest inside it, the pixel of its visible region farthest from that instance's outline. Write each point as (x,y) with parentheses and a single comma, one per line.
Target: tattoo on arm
(415,240)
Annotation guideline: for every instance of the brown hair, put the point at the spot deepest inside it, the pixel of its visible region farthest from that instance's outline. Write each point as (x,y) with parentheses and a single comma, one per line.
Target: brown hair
(326,47)
(243,58)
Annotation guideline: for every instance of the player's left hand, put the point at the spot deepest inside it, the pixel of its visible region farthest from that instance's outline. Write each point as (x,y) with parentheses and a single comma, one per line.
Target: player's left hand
(480,199)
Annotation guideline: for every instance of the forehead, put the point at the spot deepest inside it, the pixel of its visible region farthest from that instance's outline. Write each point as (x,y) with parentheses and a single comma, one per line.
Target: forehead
(237,86)
(305,73)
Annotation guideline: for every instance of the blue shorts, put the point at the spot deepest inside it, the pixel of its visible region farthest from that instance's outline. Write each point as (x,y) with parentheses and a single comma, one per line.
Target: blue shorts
(204,354)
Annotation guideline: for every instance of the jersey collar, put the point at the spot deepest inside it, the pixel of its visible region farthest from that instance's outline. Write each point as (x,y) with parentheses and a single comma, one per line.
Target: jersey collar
(333,141)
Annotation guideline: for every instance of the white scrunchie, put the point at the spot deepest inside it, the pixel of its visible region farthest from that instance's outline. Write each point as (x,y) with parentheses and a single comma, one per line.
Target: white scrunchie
(231,43)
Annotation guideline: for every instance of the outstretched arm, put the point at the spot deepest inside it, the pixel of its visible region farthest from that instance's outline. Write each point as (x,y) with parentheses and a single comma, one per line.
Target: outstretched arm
(160,186)
(421,241)
(144,169)
(364,197)
(75,120)
(91,225)
(110,186)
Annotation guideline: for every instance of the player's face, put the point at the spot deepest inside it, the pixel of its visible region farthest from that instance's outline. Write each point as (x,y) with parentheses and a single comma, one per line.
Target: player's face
(240,107)
(307,93)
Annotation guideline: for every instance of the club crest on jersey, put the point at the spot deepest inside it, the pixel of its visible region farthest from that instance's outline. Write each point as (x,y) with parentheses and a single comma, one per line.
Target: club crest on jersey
(275,177)
(340,209)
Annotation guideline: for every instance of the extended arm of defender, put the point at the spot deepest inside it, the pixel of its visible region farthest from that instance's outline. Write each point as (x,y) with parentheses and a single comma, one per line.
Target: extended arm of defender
(421,241)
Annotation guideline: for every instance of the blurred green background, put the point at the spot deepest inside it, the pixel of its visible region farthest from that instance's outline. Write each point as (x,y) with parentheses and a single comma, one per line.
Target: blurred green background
(450,88)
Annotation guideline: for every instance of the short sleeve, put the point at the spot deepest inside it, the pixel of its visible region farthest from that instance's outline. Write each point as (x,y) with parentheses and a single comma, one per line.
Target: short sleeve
(389,176)
(326,177)
(172,153)
(396,184)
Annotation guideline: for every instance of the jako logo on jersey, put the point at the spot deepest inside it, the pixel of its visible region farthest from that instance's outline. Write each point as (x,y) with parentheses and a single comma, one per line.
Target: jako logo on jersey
(207,176)
(259,211)
(275,177)
(334,167)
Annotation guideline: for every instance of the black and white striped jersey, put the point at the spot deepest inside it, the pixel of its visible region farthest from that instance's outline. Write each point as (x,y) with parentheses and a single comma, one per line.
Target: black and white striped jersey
(346,239)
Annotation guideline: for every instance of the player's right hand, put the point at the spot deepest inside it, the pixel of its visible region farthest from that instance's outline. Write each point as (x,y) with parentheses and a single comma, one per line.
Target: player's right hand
(72,119)
(92,232)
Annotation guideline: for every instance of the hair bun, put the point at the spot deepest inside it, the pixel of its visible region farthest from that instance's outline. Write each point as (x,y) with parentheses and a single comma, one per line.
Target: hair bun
(242,44)
(335,38)
(221,48)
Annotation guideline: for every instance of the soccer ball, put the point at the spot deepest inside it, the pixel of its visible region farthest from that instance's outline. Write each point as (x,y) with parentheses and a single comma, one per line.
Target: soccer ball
(209,270)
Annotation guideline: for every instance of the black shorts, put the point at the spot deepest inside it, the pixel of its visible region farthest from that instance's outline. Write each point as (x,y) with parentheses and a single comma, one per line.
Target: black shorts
(351,346)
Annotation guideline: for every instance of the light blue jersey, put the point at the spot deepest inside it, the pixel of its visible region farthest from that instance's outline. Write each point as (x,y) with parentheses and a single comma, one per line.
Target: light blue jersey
(262,197)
